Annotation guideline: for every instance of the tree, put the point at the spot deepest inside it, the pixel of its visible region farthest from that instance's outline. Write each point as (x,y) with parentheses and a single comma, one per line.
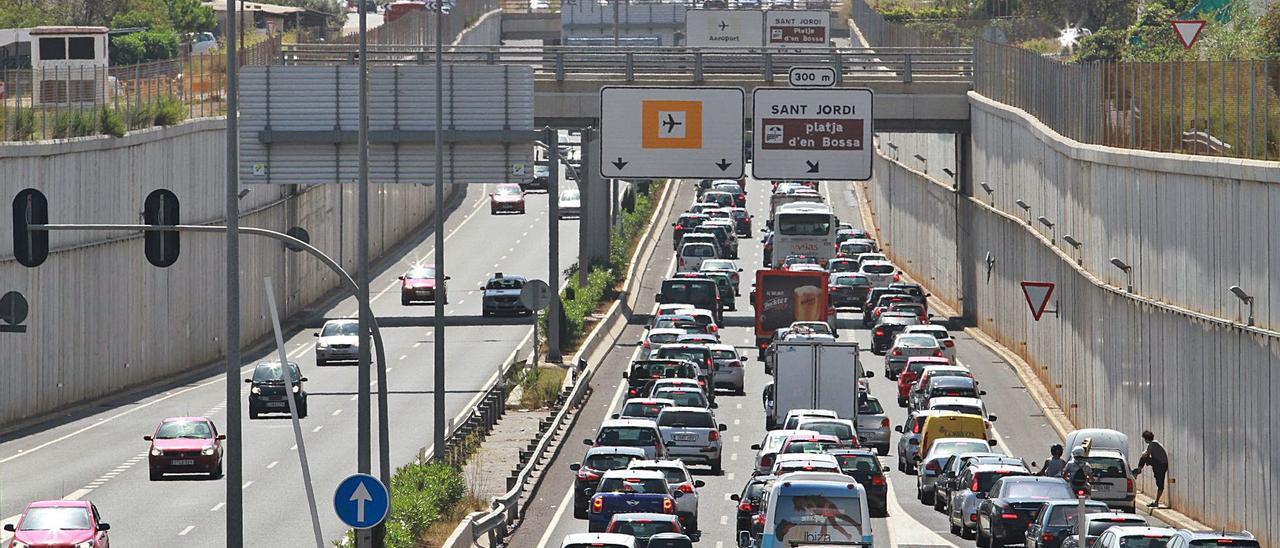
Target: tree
(143,47)
(135,20)
(29,13)
(1094,15)
(1270,29)
(191,16)
(1104,45)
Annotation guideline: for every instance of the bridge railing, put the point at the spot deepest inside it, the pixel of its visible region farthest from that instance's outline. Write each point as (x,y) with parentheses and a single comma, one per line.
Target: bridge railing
(676,64)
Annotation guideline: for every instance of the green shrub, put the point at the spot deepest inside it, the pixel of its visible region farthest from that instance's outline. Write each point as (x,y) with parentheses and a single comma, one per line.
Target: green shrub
(21,124)
(1043,46)
(541,387)
(170,111)
(111,122)
(420,495)
(140,116)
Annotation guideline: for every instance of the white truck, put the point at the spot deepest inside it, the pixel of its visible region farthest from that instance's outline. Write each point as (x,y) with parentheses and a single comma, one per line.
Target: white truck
(815,375)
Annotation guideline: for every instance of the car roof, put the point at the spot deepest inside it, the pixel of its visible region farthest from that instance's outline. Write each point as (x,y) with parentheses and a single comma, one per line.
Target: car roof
(932,360)
(997,468)
(861,451)
(673,409)
(812,413)
(1196,535)
(639,474)
(601,538)
(648,401)
(810,419)
(722,346)
(615,450)
(817,477)
(622,423)
(665,331)
(930,327)
(59,504)
(186,419)
(806,457)
(508,277)
(952,381)
(1126,530)
(683,345)
(652,463)
(645,516)
(341,321)
(956,400)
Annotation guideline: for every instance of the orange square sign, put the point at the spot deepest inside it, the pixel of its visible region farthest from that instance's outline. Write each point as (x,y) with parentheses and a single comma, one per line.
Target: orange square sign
(671,124)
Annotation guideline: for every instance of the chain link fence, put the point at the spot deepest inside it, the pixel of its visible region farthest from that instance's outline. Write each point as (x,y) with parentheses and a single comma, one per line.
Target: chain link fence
(1220,108)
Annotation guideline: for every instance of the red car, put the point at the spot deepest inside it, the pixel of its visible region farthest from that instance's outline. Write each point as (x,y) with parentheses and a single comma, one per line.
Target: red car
(911,372)
(185,445)
(69,523)
(419,285)
(506,198)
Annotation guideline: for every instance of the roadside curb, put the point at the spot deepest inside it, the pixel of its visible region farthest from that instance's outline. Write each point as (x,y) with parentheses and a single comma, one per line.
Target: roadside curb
(1036,388)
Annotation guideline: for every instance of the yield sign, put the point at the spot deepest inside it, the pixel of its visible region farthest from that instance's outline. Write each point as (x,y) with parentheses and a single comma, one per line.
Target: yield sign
(1037,294)
(1188,31)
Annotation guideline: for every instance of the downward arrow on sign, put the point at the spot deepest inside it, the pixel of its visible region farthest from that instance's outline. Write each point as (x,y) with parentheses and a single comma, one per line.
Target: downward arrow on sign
(723,164)
(813,166)
(360,496)
(619,163)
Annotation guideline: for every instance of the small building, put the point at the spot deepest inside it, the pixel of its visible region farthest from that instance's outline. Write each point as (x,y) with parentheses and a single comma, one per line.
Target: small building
(69,64)
(15,48)
(270,19)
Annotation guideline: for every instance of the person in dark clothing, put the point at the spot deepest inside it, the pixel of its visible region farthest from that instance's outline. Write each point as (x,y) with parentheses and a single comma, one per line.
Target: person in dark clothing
(1053,467)
(1156,457)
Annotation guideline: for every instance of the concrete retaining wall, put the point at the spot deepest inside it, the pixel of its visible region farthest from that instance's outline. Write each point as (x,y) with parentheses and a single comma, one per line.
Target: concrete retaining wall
(103,319)
(1170,358)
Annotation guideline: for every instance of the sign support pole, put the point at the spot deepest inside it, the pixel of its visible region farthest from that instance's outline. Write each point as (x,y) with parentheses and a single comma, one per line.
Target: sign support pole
(364,538)
(553,257)
(235,445)
(438,337)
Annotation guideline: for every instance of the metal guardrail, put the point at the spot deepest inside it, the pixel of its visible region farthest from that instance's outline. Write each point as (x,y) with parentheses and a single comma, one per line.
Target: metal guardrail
(562,63)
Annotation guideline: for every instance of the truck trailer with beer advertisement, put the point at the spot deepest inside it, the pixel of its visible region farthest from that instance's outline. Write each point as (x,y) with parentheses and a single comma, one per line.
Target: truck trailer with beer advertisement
(781,297)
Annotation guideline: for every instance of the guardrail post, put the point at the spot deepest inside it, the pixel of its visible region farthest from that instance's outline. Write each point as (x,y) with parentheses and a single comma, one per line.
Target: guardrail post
(697,66)
(768,66)
(559,66)
(492,57)
(631,69)
(906,68)
(838,65)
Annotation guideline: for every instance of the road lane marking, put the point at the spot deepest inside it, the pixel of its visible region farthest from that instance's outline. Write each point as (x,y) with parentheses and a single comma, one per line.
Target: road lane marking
(551,527)
(187,530)
(217,506)
(404,356)
(273,464)
(337,412)
(907,530)
(316,429)
(724,520)
(246,484)
(77,494)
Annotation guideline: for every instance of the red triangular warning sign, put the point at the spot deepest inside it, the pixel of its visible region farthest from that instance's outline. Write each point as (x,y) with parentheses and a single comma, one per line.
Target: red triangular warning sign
(1037,294)
(1188,31)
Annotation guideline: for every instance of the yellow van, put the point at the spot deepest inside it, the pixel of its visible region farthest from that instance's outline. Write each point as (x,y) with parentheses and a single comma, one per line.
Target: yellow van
(951,425)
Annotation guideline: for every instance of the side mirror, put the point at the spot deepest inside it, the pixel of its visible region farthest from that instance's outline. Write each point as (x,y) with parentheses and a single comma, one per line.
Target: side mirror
(884,469)
(588,441)
(739,270)
(614,416)
(735,497)
(222,437)
(869,374)
(677,494)
(982,392)
(575,466)
(700,484)
(146,438)
(715,405)
(401,278)
(303,379)
(448,277)
(898,429)
(722,427)
(624,375)
(247,381)
(755,447)
(992,443)
(104,526)
(991,418)
(10,528)
(1034,465)
(316,334)
(659,299)
(482,288)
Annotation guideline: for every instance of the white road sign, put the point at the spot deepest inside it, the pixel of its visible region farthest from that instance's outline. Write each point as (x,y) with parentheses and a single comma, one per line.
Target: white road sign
(661,132)
(797,28)
(811,77)
(812,134)
(711,28)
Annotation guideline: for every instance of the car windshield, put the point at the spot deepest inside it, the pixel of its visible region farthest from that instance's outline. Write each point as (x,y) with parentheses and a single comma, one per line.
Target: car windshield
(643,528)
(686,419)
(837,429)
(642,410)
(855,247)
(421,274)
(608,462)
(506,283)
(810,446)
(632,485)
(682,353)
(1235,543)
(1106,467)
(674,475)
(718,265)
(198,430)
(267,372)
(699,250)
(724,354)
(1043,490)
(1152,541)
(567,195)
(804,224)
(1067,514)
(801,516)
(942,450)
(859,463)
(916,341)
(594,545)
(842,266)
(987,479)
(52,519)
(662,338)
(628,436)
(878,268)
(1096,527)
(966,409)
(684,398)
(689,291)
(870,406)
(505,190)
(342,329)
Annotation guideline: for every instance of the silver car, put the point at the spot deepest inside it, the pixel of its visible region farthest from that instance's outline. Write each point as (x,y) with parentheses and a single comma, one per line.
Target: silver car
(842,429)
(931,464)
(678,479)
(691,434)
(962,510)
(728,368)
(338,341)
(873,425)
(767,449)
(909,443)
(909,345)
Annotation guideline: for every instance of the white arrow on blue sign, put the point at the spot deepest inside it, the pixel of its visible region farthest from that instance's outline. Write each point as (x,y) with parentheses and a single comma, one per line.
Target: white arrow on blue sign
(361,501)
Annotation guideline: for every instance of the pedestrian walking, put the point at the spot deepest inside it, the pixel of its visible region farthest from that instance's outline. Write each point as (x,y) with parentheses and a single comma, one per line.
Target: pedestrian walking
(1158,459)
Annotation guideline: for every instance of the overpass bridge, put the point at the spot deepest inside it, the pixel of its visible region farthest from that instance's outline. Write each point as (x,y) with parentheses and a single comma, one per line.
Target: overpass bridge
(916,89)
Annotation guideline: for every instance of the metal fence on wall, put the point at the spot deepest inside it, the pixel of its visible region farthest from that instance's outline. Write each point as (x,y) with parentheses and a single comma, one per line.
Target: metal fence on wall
(1221,108)
(418,27)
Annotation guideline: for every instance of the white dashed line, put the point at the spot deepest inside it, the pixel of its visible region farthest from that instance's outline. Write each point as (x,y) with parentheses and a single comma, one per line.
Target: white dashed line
(246,484)
(316,429)
(337,412)
(187,530)
(217,506)
(273,464)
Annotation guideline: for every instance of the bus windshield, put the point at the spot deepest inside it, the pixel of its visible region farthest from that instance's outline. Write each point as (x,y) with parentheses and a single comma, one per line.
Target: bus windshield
(804,224)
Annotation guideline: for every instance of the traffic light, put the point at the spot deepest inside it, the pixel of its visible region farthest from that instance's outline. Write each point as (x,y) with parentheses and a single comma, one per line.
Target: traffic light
(30,247)
(161,209)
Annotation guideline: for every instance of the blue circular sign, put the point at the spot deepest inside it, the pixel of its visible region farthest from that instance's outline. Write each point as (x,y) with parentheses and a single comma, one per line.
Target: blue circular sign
(361,501)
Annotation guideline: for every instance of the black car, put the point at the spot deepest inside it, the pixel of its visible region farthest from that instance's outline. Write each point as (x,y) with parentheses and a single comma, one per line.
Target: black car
(864,466)
(725,238)
(749,501)
(872,303)
(848,290)
(1013,503)
(687,222)
(882,334)
(947,387)
(700,292)
(595,463)
(1057,519)
(916,292)
(501,295)
(541,173)
(742,221)
(267,393)
(643,372)
(951,478)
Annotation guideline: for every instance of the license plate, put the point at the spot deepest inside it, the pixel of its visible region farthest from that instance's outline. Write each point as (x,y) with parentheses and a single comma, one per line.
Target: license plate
(182,462)
(277,404)
(685,437)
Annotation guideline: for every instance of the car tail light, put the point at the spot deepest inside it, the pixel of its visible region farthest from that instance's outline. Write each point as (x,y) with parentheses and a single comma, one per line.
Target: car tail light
(1128,485)
(764,345)
(877,480)
(973,517)
(766,461)
(1008,515)
(1047,537)
(686,488)
(597,504)
(668,505)
(974,485)
(712,328)
(587,475)
(714,436)
(744,507)
(949,343)
(631,392)
(758,520)
(937,353)
(879,332)
(915,429)
(702,383)
(933,466)
(897,277)
(897,352)
(884,423)
(737,364)
(679,227)
(646,343)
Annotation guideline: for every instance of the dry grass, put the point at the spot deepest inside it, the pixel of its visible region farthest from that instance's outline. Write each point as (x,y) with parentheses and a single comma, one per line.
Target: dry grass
(443,527)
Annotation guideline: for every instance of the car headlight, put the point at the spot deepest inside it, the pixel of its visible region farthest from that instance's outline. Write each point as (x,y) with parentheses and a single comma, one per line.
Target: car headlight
(207,451)
(17,544)
(322,346)
(296,388)
(156,452)
(86,544)
(255,390)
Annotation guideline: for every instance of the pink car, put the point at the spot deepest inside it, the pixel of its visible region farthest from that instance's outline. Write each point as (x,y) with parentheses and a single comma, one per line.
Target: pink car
(184,445)
(60,523)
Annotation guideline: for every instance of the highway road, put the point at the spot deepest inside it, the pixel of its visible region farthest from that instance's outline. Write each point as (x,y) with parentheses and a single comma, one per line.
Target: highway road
(100,455)
(1021,427)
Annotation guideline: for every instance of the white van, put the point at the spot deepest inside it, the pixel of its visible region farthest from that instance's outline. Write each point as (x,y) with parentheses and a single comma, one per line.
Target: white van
(692,254)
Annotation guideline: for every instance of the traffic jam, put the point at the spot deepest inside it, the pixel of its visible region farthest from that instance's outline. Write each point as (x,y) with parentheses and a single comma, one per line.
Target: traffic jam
(831,339)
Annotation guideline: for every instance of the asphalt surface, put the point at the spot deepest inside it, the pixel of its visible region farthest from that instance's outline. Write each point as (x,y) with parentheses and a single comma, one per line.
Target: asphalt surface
(100,456)
(1021,428)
